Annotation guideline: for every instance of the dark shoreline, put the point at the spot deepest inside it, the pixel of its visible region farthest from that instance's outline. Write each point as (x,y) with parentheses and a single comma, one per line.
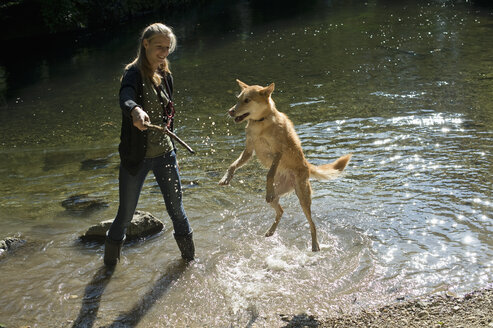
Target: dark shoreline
(44,19)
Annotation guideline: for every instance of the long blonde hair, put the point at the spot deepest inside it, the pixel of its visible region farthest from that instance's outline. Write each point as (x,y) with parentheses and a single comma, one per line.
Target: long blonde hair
(141,60)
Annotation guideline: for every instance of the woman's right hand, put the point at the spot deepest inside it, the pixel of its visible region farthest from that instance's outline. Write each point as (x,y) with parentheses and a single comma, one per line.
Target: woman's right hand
(140,118)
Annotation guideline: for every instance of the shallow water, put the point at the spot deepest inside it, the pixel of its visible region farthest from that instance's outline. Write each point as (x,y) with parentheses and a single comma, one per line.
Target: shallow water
(406,88)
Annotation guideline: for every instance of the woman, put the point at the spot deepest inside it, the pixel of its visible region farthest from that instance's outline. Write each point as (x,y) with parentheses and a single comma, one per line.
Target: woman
(145,97)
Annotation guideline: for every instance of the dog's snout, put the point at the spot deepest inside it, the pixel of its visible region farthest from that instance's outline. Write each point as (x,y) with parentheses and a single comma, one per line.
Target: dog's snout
(231,111)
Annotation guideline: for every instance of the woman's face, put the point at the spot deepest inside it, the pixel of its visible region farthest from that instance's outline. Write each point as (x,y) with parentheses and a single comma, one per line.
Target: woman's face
(157,49)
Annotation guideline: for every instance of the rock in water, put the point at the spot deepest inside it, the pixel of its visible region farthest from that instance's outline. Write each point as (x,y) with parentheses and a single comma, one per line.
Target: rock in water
(83,203)
(9,244)
(143,224)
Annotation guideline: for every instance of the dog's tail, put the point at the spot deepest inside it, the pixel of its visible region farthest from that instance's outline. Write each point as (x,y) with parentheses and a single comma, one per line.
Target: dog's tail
(329,171)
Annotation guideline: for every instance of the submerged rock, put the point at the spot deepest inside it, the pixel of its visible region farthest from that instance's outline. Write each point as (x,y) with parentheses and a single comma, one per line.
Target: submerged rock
(10,243)
(57,159)
(83,203)
(94,164)
(143,224)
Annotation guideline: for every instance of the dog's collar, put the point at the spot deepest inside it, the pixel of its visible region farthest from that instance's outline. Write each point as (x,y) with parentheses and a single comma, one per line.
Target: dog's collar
(263,118)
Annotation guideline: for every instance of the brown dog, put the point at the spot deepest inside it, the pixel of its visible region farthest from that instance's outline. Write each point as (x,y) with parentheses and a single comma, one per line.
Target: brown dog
(271,135)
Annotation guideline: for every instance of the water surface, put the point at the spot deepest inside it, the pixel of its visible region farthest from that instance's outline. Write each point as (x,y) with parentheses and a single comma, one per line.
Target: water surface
(406,88)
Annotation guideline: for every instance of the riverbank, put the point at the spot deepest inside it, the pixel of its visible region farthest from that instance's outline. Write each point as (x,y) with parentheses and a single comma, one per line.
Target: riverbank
(473,310)
(48,19)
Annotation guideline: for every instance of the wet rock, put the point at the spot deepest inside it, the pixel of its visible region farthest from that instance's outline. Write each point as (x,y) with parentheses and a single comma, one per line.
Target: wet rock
(9,244)
(450,294)
(83,203)
(143,224)
(300,320)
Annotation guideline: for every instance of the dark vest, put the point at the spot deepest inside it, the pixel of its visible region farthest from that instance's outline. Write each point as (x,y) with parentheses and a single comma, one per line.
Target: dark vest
(133,142)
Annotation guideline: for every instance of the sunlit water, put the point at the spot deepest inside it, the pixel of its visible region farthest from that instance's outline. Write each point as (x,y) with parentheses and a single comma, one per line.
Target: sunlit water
(407,89)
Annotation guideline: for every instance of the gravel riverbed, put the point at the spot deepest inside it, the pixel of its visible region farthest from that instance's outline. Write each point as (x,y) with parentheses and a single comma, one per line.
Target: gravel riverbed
(472,310)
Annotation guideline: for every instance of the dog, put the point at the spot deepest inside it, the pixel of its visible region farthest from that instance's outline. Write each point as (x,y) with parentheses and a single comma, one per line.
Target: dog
(270,134)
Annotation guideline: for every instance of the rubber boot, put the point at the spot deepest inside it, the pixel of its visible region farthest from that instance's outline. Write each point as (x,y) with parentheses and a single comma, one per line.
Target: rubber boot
(112,250)
(186,246)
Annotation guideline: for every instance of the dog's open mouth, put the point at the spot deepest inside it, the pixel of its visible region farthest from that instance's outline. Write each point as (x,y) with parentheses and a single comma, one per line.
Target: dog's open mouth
(241,118)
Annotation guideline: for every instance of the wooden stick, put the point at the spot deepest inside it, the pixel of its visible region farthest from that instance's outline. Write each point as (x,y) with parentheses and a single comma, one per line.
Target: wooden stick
(171,134)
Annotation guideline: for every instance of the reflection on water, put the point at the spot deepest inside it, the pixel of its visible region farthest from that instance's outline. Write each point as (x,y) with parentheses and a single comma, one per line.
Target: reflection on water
(412,214)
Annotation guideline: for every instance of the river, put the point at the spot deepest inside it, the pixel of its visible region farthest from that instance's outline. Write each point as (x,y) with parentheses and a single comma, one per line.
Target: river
(406,88)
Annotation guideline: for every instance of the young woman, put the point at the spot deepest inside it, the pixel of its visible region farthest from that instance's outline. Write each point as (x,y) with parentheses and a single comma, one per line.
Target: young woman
(145,96)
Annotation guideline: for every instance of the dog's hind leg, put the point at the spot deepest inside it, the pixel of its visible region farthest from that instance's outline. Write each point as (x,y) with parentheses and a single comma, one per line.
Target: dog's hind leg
(275,204)
(304,193)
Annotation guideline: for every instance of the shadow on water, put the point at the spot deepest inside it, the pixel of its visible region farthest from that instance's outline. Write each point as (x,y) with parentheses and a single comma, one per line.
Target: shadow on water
(95,289)
(133,316)
(92,297)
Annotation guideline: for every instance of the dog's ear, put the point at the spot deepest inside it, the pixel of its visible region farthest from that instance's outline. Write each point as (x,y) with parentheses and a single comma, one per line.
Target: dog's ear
(241,84)
(267,91)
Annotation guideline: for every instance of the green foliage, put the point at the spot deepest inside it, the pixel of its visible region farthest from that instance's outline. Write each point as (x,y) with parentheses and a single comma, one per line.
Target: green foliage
(61,15)
(4,5)
(68,15)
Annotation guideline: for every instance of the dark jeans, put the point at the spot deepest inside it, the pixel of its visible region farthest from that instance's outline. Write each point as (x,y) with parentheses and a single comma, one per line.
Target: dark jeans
(165,171)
